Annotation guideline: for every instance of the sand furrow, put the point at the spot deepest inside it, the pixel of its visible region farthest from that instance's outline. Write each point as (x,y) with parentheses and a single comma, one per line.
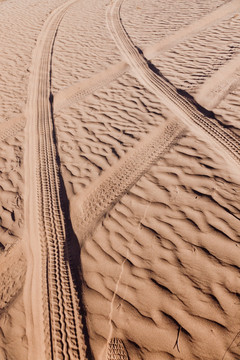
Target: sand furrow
(104,193)
(167,93)
(54,322)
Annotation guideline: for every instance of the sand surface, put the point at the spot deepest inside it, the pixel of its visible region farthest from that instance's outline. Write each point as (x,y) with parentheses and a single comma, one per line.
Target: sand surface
(119,180)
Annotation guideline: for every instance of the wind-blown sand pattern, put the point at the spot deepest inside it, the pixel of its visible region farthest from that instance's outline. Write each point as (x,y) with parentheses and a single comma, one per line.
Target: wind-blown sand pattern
(119,203)
(13,269)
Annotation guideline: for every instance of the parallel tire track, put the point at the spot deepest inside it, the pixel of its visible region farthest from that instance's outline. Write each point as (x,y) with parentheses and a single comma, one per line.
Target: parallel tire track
(116,182)
(166,92)
(78,91)
(54,321)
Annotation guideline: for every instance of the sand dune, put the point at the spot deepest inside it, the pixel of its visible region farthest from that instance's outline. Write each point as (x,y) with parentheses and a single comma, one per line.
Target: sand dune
(128,243)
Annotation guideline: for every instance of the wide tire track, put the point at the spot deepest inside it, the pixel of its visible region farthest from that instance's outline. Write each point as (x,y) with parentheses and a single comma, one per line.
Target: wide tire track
(167,93)
(220,84)
(78,91)
(54,323)
(110,187)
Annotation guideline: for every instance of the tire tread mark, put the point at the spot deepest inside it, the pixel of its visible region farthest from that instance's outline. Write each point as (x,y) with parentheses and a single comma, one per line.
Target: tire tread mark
(108,189)
(78,91)
(166,92)
(63,327)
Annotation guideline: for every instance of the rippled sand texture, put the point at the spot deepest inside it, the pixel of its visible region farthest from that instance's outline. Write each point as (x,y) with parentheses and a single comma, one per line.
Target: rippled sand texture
(119,180)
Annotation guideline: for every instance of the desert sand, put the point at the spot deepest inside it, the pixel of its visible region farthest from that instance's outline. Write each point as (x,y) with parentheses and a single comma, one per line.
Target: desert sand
(119,180)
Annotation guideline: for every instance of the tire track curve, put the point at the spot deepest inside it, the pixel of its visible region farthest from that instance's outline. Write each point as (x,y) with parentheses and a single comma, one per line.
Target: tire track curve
(54,321)
(178,104)
(69,95)
(78,91)
(109,188)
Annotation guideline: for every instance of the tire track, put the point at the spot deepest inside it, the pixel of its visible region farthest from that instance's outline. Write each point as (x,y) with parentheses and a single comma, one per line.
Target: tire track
(116,350)
(167,93)
(54,321)
(216,88)
(88,226)
(78,91)
(203,23)
(109,188)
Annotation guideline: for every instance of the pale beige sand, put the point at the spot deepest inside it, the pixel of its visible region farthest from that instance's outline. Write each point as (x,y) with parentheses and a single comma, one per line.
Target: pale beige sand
(119,202)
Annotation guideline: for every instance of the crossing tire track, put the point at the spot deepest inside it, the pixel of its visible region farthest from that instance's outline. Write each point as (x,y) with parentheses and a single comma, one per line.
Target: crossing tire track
(167,93)
(78,91)
(110,187)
